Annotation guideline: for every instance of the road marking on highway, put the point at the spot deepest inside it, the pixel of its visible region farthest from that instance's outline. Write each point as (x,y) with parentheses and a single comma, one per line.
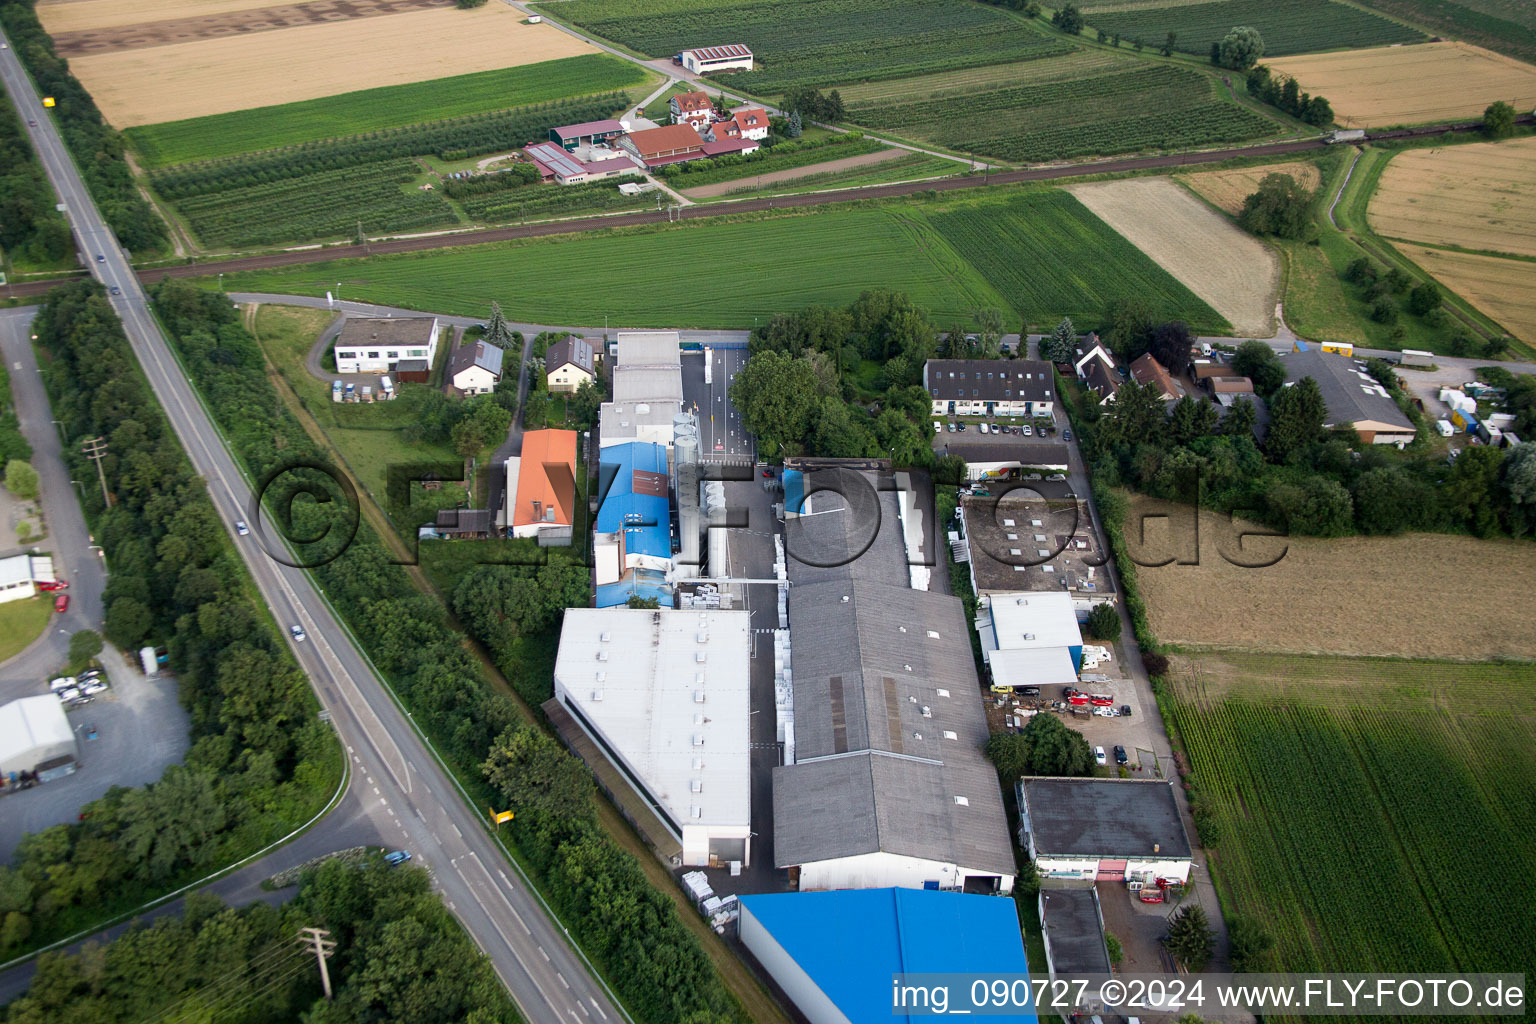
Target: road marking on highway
(495,924)
(546,955)
(599,1009)
(375,790)
(563,981)
(505,879)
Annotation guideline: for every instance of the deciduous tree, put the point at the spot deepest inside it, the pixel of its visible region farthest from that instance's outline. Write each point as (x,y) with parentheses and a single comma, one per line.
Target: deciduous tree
(1241,48)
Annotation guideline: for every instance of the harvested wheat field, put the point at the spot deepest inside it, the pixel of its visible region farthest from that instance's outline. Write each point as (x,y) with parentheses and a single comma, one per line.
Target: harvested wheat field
(1228,189)
(1503,289)
(1480,196)
(1237,274)
(1417,596)
(81,15)
(216,76)
(1411,84)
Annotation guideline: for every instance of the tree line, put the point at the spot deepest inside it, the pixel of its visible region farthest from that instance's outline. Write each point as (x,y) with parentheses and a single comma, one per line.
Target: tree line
(97,149)
(1303,478)
(30,227)
(1282,92)
(260,762)
(629,928)
(399,955)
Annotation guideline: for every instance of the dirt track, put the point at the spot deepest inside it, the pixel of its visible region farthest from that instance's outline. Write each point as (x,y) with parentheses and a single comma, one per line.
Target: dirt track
(232,23)
(290,259)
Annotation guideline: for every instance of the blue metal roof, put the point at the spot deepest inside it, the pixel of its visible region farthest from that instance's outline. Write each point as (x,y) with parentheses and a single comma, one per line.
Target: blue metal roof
(611,595)
(644,517)
(794,491)
(851,941)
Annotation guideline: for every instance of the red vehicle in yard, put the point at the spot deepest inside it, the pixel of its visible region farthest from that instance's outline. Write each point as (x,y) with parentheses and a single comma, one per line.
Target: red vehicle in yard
(1101,700)
(53,585)
(1079,699)
(61,603)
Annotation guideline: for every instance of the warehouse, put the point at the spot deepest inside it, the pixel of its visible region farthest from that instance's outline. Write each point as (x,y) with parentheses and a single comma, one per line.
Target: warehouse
(731,57)
(1352,397)
(834,953)
(665,695)
(1031,639)
(35,736)
(884,783)
(651,422)
(1105,829)
(1019,543)
(379,344)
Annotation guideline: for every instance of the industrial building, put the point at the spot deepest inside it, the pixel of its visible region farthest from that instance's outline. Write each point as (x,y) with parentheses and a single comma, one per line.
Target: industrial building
(587,133)
(35,736)
(990,387)
(541,483)
(623,422)
(564,167)
(632,541)
(1031,639)
(22,576)
(731,57)
(665,695)
(1018,542)
(380,344)
(884,781)
(1353,398)
(834,953)
(647,389)
(1073,925)
(1123,830)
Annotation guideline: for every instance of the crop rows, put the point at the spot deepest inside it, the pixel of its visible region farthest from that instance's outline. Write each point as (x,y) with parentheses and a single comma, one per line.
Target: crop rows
(1381,839)
(452,140)
(550,201)
(828,42)
(1507,26)
(326,204)
(1295,26)
(1087,116)
(1050,257)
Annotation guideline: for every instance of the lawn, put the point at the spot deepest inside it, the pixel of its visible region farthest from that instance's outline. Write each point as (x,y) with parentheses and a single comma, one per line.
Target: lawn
(246,131)
(1372,815)
(1295,26)
(755,267)
(820,42)
(21,622)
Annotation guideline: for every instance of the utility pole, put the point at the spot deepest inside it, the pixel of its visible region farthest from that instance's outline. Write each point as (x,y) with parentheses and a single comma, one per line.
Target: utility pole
(94,449)
(323,947)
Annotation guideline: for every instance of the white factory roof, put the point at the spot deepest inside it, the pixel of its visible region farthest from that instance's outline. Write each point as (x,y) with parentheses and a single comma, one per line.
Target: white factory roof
(1032,667)
(30,724)
(1033,620)
(42,568)
(670,692)
(649,348)
(14,570)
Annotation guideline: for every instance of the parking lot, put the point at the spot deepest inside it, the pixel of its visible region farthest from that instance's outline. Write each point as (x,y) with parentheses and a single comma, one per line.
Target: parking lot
(140,729)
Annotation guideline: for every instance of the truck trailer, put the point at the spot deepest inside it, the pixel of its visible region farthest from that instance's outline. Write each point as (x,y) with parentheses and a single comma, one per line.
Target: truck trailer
(1345,135)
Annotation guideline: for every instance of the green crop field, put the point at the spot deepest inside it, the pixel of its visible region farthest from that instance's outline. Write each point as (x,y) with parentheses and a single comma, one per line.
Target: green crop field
(246,131)
(1506,26)
(1374,814)
(1295,26)
(1050,257)
(784,157)
(1037,251)
(911,167)
(820,42)
(1100,111)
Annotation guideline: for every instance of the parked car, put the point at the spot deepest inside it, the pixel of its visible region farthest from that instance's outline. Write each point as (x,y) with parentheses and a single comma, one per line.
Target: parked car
(61,603)
(960,427)
(981,427)
(47,585)
(90,673)
(938,428)
(241,528)
(1030,691)
(297,632)
(1106,712)
(1067,691)
(70,694)
(62,683)
(397,857)
(951,428)
(1099,757)
(1057,476)
(1125,711)
(1028,430)
(1120,757)
(1066,435)
(93,687)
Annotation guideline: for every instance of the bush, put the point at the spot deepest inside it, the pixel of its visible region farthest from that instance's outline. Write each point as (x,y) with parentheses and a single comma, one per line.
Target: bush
(1384,311)
(1103,623)
(1424,299)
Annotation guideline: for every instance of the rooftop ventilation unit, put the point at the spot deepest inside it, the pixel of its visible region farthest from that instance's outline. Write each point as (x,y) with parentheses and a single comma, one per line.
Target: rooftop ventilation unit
(696,812)
(601,676)
(603,637)
(697,785)
(597,695)
(943,692)
(698,696)
(602,655)
(927,711)
(699,657)
(933,634)
(951,735)
(962,801)
(703,637)
(698,739)
(698,764)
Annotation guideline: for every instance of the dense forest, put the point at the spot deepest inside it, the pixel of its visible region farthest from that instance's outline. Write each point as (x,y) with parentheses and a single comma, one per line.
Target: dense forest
(399,956)
(261,762)
(30,228)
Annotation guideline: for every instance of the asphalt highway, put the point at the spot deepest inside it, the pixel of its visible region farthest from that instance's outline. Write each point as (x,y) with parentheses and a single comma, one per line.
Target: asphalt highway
(530,952)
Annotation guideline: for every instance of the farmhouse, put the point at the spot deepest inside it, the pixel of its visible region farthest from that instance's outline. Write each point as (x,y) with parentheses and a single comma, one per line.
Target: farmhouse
(742,124)
(995,461)
(558,165)
(1019,543)
(1107,829)
(475,369)
(568,364)
(1147,370)
(1030,639)
(694,109)
(884,783)
(542,485)
(664,694)
(1352,396)
(35,736)
(834,953)
(733,57)
(668,144)
(989,387)
(588,133)
(378,344)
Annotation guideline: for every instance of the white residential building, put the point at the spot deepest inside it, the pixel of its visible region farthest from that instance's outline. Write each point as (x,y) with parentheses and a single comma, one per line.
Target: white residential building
(1121,830)
(377,344)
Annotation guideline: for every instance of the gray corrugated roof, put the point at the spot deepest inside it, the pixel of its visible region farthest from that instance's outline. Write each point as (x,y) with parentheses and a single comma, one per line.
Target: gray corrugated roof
(1104,818)
(1350,394)
(874,768)
(647,384)
(481,353)
(989,380)
(1073,931)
